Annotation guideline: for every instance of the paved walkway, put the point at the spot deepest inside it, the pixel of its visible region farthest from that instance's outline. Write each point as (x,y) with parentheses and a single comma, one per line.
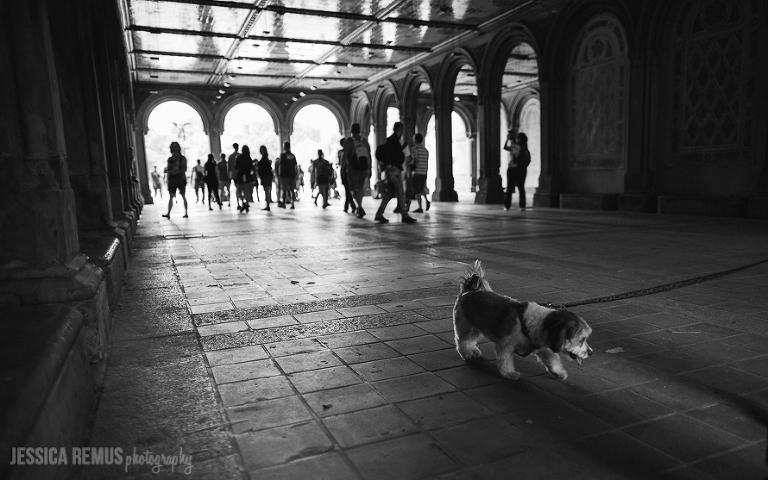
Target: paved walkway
(310,344)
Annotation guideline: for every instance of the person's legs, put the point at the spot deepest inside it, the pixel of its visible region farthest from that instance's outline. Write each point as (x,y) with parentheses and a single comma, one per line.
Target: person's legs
(183,192)
(521,187)
(171,197)
(510,189)
(267,193)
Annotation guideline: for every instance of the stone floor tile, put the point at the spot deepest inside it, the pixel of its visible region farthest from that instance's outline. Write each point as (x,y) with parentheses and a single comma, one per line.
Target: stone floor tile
(621,407)
(471,375)
(330,466)
(270,322)
(483,440)
(244,371)
(684,438)
(438,301)
(607,456)
(750,341)
(321,316)
(400,389)
(437,326)
(443,410)
(343,400)
(301,362)
(623,372)
(396,332)
(267,414)
(400,306)
(739,418)
(509,395)
(631,310)
(756,366)
(630,327)
(717,351)
(579,382)
(632,346)
(366,353)
(214,307)
(368,426)
(679,394)
(438,359)
(540,463)
(359,311)
(556,422)
(674,361)
(667,320)
(745,463)
(386,368)
(727,379)
(293,347)
(323,379)
(250,391)
(426,343)
(235,355)
(219,328)
(408,458)
(281,444)
(341,340)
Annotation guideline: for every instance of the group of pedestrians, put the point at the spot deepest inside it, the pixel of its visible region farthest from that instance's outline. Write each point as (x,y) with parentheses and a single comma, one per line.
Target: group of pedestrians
(401,174)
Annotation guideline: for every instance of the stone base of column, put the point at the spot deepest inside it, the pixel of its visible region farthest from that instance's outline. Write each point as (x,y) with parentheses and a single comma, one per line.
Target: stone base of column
(546,200)
(46,384)
(489,191)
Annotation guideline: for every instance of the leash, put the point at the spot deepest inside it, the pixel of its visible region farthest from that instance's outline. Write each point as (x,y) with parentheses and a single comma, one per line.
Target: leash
(653,290)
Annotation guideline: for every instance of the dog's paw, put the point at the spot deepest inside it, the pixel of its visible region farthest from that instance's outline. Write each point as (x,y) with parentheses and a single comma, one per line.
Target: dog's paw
(512,375)
(560,375)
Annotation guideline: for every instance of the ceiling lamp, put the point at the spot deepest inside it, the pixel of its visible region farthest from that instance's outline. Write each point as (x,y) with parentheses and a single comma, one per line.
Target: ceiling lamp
(222,91)
(337,72)
(218,96)
(456,99)
(302,94)
(349,65)
(226,84)
(313,88)
(294,98)
(324,81)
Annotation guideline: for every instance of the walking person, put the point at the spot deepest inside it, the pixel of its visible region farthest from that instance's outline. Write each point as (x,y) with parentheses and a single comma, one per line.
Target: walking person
(244,179)
(279,190)
(231,165)
(212,180)
(391,164)
(157,183)
(197,176)
(322,171)
(348,200)
(223,170)
(357,154)
(264,171)
(177,178)
(287,170)
(419,164)
(519,159)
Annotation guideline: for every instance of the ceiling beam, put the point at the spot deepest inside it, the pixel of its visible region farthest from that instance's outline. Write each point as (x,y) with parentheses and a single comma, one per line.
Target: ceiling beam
(279,9)
(220,69)
(158,53)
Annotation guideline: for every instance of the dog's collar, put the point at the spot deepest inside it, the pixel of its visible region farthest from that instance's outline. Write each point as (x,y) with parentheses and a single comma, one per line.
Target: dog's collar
(525,332)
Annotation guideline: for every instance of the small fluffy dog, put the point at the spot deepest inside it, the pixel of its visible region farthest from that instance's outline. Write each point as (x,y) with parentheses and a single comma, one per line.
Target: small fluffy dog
(515,327)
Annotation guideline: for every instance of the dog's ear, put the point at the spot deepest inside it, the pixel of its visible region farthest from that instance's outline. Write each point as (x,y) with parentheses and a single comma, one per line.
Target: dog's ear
(558,327)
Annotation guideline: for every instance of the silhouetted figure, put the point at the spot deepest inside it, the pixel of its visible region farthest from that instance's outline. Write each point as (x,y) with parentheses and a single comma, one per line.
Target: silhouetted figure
(391,157)
(177,177)
(212,180)
(287,171)
(157,183)
(244,179)
(232,160)
(264,170)
(223,169)
(519,159)
(357,153)
(418,167)
(198,176)
(322,171)
(349,201)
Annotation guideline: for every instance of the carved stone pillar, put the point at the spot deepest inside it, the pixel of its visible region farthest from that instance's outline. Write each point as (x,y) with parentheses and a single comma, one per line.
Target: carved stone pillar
(444,183)
(489,190)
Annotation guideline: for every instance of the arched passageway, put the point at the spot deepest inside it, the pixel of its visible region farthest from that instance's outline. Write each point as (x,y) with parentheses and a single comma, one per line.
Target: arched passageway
(314,128)
(250,124)
(175,121)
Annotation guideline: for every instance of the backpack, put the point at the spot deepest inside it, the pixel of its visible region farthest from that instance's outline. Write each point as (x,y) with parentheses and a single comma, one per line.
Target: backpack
(359,160)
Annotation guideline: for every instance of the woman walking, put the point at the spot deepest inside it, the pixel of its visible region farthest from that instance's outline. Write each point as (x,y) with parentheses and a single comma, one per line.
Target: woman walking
(212,180)
(244,178)
(264,170)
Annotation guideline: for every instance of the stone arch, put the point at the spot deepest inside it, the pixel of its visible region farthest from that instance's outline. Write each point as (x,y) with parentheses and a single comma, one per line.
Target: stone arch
(449,70)
(413,81)
(245,97)
(148,105)
(467,116)
(332,105)
(517,104)
(495,58)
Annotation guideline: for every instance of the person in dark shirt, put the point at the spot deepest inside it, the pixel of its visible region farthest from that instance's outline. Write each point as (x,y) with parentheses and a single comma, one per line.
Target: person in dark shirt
(264,170)
(177,177)
(212,180)
(244,178)
(287,175)
(391,165)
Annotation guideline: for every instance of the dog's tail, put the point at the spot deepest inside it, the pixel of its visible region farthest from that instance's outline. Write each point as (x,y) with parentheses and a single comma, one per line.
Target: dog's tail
(473,279)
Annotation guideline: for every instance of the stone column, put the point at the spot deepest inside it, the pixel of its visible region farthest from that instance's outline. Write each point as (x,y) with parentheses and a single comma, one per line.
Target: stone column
(548,192)
(141,161)
(214,139)
(444,183)
(489,190)
(472,136)
(38,226)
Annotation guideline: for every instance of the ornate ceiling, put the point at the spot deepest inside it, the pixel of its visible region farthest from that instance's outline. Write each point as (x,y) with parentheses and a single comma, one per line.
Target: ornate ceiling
(325,45)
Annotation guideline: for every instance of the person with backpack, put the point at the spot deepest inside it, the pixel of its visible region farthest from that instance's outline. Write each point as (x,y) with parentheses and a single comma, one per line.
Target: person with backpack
(390,156)
(198,177)
(519,159)
(357,154)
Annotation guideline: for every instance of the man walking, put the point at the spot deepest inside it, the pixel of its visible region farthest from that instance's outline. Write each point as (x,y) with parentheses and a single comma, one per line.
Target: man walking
(391,160)
(419,164)
(287,175)
(232,175)
(357,155)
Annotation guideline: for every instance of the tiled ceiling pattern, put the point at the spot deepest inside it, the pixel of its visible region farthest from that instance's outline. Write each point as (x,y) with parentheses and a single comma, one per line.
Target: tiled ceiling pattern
(288,44)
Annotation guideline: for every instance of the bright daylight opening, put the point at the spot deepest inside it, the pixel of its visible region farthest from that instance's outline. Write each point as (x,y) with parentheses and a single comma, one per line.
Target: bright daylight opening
(175,122)
(315,128)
